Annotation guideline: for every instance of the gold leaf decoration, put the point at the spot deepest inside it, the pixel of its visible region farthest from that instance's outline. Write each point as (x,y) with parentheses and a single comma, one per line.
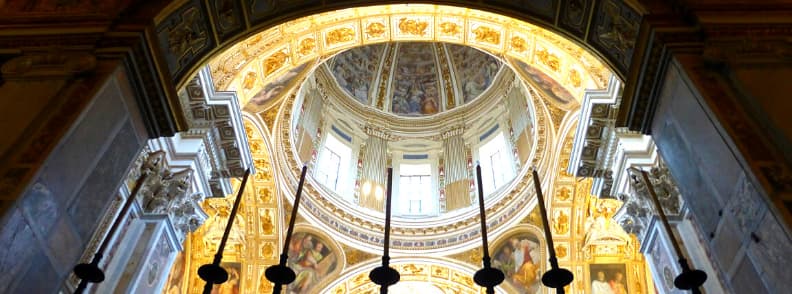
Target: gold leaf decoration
(561,251)
(449,28)
(518,44)
(413,27)
(574,78)
(306,46)
(549,59)
(274,62)
(487,35)
(375,29)
(249,81)
(339,35)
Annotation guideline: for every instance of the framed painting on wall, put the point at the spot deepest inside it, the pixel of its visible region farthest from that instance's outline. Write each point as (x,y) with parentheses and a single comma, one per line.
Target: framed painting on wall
(608,278)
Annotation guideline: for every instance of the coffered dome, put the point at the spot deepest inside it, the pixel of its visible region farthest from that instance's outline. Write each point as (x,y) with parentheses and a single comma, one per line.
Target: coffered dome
(414,78)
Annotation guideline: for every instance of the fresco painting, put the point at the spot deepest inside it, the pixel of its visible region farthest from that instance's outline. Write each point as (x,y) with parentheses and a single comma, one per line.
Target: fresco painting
(608,279)
(311,259)
(277,86)
(474,70)
(232,285)
(519,258)
(554,91)
(415,83)
(355,70)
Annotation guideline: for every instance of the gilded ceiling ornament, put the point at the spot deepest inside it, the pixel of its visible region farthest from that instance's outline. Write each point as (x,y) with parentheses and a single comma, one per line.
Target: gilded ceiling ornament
(561,251)
(339,35)
(375,29)
(449,28)
(462,278)
(563,194)
(250,80)
(274,62)
(561,222)
(487,35)
(439,272)
(549,59)
(413,27)
(518,44)
(574,78)
(306,46)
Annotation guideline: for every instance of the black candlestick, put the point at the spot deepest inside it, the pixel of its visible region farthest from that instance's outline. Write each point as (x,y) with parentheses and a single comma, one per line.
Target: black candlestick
(90,272)
(556,277)
(213,273)
(487,277)
(689,279)
(385,275)
(280,274)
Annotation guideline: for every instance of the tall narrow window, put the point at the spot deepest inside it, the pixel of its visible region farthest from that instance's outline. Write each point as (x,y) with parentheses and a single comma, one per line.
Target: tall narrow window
(496,166)
(330,168)
(415,189)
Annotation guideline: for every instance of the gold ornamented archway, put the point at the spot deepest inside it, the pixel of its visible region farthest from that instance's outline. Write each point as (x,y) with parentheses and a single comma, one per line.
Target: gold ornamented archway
(257,61)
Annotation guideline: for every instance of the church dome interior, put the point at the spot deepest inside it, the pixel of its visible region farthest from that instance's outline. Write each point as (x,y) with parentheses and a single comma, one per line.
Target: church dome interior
(160,146)
(352,136)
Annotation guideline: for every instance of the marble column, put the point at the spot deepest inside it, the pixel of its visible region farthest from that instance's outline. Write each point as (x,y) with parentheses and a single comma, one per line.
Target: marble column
(457,186)
(373,177)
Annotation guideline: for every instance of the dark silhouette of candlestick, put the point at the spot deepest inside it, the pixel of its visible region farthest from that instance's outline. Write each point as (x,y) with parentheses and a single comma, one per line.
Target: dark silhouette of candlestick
(689,279)
(90,272)
(213,273)
(556,277)
(487,277)
(384,275)
(281,274)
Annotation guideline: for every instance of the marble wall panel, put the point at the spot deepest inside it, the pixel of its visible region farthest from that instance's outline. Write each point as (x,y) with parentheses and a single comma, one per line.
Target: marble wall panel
(70,163)
(45,230)
(96,194)
(745,280)
(750,246)
(770,251)
(16,246)
(40,276)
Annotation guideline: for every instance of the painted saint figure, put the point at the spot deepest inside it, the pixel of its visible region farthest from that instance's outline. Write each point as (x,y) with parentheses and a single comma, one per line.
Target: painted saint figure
(600,286)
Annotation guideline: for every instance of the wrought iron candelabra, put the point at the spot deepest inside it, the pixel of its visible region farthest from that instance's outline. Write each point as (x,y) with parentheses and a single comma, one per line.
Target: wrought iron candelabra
(689,279)
(384,275)
(487,277)
(556,277)
(280,274)
(90,272)
(213,273)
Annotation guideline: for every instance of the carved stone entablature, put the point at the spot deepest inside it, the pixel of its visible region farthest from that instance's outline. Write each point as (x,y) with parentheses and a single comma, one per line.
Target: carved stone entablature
(637,212)
(592,148)
(380,133)
(170,193)
(454,131)
(50,64)
(215,119)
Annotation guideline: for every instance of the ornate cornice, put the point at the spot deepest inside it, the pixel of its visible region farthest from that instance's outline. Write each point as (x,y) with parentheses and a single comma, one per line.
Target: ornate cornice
(215,118)
(592,146)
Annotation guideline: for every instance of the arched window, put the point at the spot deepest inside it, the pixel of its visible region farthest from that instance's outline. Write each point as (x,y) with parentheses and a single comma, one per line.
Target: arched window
(331,168)
(415,189)
(497,167)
